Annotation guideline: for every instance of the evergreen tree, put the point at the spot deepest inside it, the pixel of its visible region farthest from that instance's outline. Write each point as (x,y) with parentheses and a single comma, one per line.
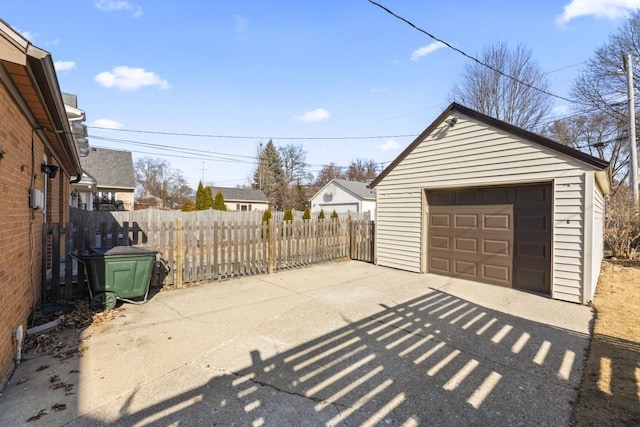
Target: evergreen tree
(218,203)
(269,174)
(266,216)
(209,197)
(288,215)
(321,214)
(201,198)
(306,214)
(334,214)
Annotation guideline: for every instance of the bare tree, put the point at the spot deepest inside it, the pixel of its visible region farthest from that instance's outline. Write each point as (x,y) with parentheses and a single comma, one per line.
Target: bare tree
(327,173)
(598,135)
(362,170)
(155,177)
(602,85)
(495,95)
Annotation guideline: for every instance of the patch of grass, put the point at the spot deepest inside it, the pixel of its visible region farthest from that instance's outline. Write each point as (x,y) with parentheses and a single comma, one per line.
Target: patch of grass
(610,390)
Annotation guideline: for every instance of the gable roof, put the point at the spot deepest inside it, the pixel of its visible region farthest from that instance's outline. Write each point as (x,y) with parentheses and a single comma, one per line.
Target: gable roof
(360,189)
(499,124)
(231,194)
(110,168)
(36,89)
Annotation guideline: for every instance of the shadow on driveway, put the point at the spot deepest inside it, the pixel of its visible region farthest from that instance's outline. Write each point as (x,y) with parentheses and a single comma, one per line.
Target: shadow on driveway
(434,360)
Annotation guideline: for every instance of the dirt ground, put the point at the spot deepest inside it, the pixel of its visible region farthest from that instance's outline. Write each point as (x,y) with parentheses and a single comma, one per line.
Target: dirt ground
(610,390)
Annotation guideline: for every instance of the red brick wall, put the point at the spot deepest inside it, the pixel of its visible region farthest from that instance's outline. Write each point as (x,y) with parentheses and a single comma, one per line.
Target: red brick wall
(21,228)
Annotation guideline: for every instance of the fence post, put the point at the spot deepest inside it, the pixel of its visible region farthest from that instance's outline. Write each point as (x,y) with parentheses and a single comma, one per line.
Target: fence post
(271,236)
(350,236)
(179,252)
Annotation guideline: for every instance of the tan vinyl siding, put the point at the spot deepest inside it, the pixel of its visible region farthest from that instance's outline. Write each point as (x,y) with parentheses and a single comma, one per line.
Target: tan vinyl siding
(475,154)
(597,244)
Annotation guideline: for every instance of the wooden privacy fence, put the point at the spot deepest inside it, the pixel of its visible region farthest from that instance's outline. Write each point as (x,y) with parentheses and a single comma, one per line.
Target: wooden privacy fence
(203,248)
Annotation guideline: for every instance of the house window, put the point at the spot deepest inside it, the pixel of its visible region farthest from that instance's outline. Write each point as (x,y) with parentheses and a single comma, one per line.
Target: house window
(237,206)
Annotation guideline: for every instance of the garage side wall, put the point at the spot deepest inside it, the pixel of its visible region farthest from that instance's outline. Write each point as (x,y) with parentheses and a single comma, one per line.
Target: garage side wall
(597,243)
(473,154)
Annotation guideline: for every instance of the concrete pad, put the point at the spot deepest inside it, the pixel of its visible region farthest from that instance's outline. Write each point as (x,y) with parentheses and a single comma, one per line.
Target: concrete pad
(334,344)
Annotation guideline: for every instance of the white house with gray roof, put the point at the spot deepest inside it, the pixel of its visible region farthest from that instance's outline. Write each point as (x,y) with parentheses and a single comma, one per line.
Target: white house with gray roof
(112,171)
(344,196)
(242,199)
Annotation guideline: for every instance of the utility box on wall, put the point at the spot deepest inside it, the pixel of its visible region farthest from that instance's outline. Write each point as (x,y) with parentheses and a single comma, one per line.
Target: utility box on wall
(36,198)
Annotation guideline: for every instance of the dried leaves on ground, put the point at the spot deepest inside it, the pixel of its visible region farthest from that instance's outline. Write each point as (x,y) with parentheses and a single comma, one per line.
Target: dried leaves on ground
(610,390)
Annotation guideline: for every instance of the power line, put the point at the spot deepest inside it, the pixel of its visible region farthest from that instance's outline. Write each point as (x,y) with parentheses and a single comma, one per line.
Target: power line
(197,135)
(484,64)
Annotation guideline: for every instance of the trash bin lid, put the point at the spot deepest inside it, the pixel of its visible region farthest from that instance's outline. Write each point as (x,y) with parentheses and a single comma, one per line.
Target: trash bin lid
(122,250)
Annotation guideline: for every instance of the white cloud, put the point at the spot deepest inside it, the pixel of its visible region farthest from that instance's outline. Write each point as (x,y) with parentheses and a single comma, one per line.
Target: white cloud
(106,123)
(242,23)
(316,115)
(610,9)
(118,6)
(560,110)
(390,145)
(426,50)
(113,5)
(26,34)
(64,65)
(128,78)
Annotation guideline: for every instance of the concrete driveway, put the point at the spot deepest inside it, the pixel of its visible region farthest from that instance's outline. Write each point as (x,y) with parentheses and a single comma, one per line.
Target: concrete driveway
(342,343)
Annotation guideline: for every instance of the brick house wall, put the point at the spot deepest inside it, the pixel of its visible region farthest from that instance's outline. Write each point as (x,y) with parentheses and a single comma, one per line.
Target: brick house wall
(21,227)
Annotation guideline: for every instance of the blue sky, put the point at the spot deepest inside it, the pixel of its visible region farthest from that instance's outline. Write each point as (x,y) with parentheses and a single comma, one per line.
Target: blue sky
(288,69)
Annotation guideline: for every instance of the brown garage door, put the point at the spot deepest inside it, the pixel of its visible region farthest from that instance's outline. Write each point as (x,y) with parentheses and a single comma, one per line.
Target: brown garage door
(497,235)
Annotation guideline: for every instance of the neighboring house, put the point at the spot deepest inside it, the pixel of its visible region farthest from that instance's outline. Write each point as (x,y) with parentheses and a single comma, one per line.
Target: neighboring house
(38,159)
(242,199)
(113,173)
(476,198)
(344,196)
(83,192)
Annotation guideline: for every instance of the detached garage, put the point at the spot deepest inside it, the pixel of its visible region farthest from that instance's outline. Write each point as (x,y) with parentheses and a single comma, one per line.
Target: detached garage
(476,198)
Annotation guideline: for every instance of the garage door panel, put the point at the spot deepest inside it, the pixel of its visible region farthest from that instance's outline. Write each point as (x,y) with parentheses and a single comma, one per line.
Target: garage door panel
(439,242)
(496,247)
(466,220)
(498,273)
(501,221)
(440,220)
(499,235)
(465,268)
(539,250)
(440,265)
(466,245)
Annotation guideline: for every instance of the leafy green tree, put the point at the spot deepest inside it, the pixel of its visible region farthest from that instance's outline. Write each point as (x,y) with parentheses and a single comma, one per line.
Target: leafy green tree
(288,215)
(321,214)
(201,198)
(218,203)
(306,214)
(334,214)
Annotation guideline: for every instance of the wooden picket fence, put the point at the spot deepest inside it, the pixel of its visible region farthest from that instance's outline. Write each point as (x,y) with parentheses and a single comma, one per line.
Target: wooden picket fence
(200,248)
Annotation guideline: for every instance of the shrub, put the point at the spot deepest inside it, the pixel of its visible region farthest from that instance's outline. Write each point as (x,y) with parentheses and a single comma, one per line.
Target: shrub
(188,206)
(288,215)
(334,214)
(266,216)
(306,214)
(321,214)
(622,225)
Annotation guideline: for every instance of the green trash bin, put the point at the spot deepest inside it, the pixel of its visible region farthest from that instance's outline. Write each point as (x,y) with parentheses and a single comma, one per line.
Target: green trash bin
(121,272)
